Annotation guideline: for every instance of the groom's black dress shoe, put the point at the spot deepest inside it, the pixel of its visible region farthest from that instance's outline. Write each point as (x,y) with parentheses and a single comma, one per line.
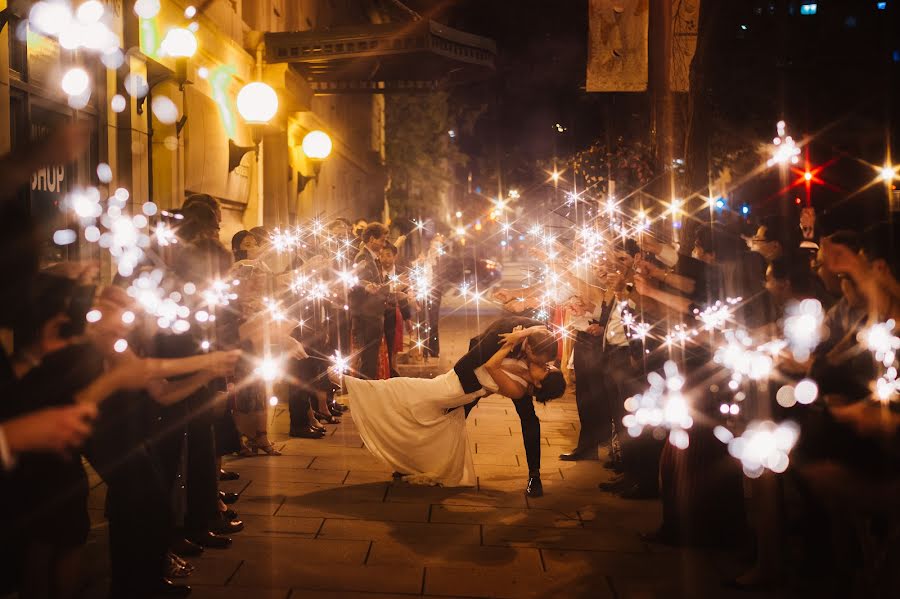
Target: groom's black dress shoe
(535,488)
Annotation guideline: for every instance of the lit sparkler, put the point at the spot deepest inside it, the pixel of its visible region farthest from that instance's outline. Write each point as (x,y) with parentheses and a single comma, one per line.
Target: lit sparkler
(804,327)
(764,445)
(784,150)
(661,406)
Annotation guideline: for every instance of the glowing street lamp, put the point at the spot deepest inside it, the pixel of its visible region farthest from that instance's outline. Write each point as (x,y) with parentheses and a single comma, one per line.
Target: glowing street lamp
(181,45)
(317,146)
(257,103)
(888,173)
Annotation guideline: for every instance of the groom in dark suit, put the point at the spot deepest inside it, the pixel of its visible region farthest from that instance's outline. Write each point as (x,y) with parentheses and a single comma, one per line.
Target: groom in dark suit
(539,349)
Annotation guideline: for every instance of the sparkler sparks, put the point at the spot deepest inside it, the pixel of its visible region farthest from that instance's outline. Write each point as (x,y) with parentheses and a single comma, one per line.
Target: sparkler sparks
(764,445)
(269,369)
(804,327)
(661,406)
(881,340)
(784,150)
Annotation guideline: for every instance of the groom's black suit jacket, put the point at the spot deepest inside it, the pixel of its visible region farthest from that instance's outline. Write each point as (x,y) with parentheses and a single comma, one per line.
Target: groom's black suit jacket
(485,345)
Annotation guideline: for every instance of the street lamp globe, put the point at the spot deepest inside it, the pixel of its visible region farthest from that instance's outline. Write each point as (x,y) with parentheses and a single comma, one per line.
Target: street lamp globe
(179,43)
(257,103)
(316,145)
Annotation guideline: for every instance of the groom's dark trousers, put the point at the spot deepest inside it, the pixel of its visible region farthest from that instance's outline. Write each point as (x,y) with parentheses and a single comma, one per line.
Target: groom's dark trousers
(481,348)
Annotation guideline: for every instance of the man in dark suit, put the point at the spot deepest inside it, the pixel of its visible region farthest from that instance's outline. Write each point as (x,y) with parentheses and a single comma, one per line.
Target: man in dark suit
(367,301)
(539,349)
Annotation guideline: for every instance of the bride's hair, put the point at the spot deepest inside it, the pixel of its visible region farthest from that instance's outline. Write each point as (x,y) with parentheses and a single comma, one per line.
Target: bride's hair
(552,387)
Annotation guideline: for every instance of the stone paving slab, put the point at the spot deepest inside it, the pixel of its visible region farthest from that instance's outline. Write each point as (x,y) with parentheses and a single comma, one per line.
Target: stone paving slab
(561,538)
(281,526)
(462,556)
(507,582)
(410,494)
(302,576)
(404,532)
(378,511)
(463,514)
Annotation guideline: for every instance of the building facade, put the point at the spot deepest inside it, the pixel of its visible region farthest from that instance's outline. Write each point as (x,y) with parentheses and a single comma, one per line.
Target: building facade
(164,160)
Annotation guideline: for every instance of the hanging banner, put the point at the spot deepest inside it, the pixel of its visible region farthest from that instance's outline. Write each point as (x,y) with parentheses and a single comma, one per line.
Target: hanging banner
(617,49)
(685,22)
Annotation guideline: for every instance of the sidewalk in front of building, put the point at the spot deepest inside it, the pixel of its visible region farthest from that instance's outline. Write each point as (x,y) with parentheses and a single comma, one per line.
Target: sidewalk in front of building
(326,520)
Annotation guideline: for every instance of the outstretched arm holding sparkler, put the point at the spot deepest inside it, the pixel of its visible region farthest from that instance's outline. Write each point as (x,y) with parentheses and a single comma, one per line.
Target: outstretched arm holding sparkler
(140,373)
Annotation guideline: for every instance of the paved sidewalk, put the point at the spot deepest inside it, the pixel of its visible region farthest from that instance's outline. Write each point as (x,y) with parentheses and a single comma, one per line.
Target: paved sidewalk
(325,520)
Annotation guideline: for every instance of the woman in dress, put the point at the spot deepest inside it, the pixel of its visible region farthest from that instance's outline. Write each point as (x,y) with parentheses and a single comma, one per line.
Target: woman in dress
(412,425)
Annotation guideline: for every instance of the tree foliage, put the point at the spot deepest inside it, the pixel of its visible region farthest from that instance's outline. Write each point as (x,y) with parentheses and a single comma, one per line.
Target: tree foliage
(421,157)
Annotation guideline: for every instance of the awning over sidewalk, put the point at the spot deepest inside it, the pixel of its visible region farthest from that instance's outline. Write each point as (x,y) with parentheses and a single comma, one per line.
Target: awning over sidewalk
(392,57)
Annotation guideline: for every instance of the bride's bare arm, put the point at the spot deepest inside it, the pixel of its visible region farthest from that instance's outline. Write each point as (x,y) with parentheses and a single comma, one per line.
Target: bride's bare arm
(505,385)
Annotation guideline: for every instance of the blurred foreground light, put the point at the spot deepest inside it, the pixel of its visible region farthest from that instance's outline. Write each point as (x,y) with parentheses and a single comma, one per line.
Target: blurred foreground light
(76,81)
(90,11)
(179,43)
(117,103)
(146,9)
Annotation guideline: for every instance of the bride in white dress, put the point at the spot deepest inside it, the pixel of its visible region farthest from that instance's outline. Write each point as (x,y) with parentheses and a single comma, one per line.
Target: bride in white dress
(410,423)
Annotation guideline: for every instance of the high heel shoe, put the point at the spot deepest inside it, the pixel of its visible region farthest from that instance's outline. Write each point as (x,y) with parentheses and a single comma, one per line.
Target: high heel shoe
(253,447)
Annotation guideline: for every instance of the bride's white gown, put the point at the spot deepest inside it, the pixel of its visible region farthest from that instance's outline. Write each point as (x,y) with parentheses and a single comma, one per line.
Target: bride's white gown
(409,424)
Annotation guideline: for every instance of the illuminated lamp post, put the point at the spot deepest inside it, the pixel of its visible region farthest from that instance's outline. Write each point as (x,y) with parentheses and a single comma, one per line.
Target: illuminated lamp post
(257,103)
(181,45)
(317,147)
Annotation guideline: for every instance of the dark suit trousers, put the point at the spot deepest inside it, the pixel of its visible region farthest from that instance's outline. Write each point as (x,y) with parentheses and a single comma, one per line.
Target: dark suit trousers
(591,396)
(433,344)
(367,333)
(141,524)
(202,471)
(531,431)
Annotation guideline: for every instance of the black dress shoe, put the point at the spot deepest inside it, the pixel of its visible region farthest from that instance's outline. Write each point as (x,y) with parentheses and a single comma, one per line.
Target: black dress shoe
(337,407)
(229,515)
(185,548)
(535,488)
(228,498)
(638,491)
(212,541)
(227,475)
(307,433)
(327,418)
(578,454)
(226,527)
(615,484)
(614,465)
(167,588)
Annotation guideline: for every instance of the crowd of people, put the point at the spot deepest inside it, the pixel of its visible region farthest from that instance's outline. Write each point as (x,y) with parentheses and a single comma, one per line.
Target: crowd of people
(152,377)
(719,318)
(749,381)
